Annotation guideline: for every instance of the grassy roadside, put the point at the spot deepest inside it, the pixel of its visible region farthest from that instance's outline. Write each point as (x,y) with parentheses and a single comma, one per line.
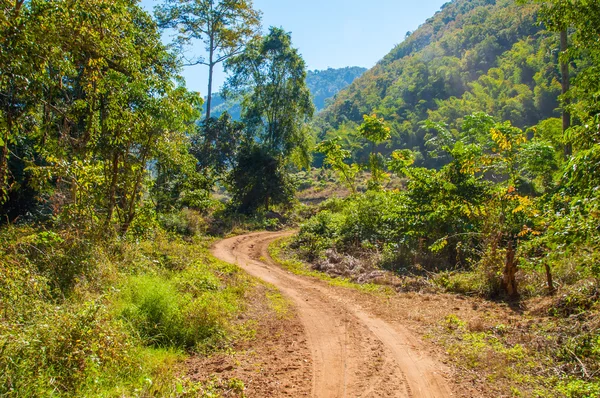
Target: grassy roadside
(521,354)
(113,319)
(281,253)
(534,348)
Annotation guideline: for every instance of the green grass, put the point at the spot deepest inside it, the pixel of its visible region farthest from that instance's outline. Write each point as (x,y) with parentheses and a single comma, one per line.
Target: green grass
(277,251)
(278,304)
(506,359)
(122,324)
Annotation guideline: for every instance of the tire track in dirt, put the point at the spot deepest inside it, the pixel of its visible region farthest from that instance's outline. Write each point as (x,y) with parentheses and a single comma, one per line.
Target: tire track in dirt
(354,354)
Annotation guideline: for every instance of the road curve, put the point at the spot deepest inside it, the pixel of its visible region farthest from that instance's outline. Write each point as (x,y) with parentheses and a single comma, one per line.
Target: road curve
(354,353)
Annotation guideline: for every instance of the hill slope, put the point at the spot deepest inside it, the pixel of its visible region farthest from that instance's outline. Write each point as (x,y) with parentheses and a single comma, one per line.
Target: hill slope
(323,85)
(473,55)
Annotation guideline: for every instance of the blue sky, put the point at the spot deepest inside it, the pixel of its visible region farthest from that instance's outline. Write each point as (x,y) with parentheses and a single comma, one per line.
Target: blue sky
(332,33)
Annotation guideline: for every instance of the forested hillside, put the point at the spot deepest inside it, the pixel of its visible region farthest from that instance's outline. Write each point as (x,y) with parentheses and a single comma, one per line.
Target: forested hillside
(489,56)
(475,185)
(323,86)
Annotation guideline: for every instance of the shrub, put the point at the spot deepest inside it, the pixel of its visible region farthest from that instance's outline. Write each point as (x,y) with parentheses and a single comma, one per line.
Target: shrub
(185,222)
(185,312)
(318,234)
(65,349)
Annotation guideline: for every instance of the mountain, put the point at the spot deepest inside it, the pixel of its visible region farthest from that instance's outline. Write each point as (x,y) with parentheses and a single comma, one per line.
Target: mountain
(220,105)
(473,55)
(323,85)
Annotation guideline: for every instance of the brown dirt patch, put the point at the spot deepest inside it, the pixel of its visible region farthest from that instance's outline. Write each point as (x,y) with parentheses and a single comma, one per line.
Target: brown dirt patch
(275,363)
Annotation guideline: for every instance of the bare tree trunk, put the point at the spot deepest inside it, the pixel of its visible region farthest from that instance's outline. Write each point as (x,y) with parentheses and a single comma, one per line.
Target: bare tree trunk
(209,97)
(132,202)
(4,170)
(4,159)
(112,201)
(211,66)
(509,280)
(136,188)
(551,288)
(564,71)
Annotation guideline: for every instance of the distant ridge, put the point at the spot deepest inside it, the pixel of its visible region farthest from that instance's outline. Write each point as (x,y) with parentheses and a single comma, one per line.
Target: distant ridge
(323,85)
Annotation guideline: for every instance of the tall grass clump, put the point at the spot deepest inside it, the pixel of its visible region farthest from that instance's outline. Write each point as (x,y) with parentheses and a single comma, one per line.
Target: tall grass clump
(190,311)
(82,316)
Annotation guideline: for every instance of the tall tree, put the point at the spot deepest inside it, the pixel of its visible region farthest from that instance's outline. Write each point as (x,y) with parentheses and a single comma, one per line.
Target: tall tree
(271,77)
(224,26)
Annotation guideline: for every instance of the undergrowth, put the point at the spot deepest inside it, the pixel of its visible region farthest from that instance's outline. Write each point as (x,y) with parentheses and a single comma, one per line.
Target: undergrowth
(85,317)
(279,251)
(534,357)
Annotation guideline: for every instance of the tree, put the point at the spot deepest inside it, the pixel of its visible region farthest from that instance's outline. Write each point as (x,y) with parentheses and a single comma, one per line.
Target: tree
(224,26)
(271,77)
(20,51)
(89,101)
(335,157)
(216,144)
(375,130)
(259,179)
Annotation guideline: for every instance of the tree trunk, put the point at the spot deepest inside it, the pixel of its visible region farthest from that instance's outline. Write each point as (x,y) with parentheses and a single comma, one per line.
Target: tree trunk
(113,189)
(211,66)
(551,289)
(4,159)
(131,207)
(209,96)
(509,280)
(4,171)
(564,71)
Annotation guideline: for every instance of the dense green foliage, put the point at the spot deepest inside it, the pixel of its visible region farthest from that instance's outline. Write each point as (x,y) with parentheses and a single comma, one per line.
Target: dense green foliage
(84,113)
(472,56)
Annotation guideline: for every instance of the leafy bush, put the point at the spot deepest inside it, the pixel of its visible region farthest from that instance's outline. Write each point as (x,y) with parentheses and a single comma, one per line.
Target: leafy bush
(65,349)
(186,222)
(86,333)
(319,233)
(61,257)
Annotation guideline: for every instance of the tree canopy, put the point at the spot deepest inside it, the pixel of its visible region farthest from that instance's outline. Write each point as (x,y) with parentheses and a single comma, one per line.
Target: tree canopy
(224,26)
(271,77)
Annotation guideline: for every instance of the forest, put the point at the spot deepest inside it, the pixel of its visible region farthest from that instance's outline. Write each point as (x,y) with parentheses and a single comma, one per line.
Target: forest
(464,163)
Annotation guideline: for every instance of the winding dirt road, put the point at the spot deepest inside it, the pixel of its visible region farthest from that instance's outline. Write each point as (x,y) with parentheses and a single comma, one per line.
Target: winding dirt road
(354,354)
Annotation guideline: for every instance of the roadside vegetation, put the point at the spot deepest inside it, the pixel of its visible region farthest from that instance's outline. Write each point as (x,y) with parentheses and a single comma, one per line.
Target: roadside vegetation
(465,162)
(108,175)
(94,318)
(505,213)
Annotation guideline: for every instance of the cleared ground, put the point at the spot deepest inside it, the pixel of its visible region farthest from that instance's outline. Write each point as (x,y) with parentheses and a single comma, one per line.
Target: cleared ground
(353,352)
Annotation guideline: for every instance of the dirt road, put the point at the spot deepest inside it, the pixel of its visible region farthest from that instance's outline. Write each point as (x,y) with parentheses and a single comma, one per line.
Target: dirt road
(354,354)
